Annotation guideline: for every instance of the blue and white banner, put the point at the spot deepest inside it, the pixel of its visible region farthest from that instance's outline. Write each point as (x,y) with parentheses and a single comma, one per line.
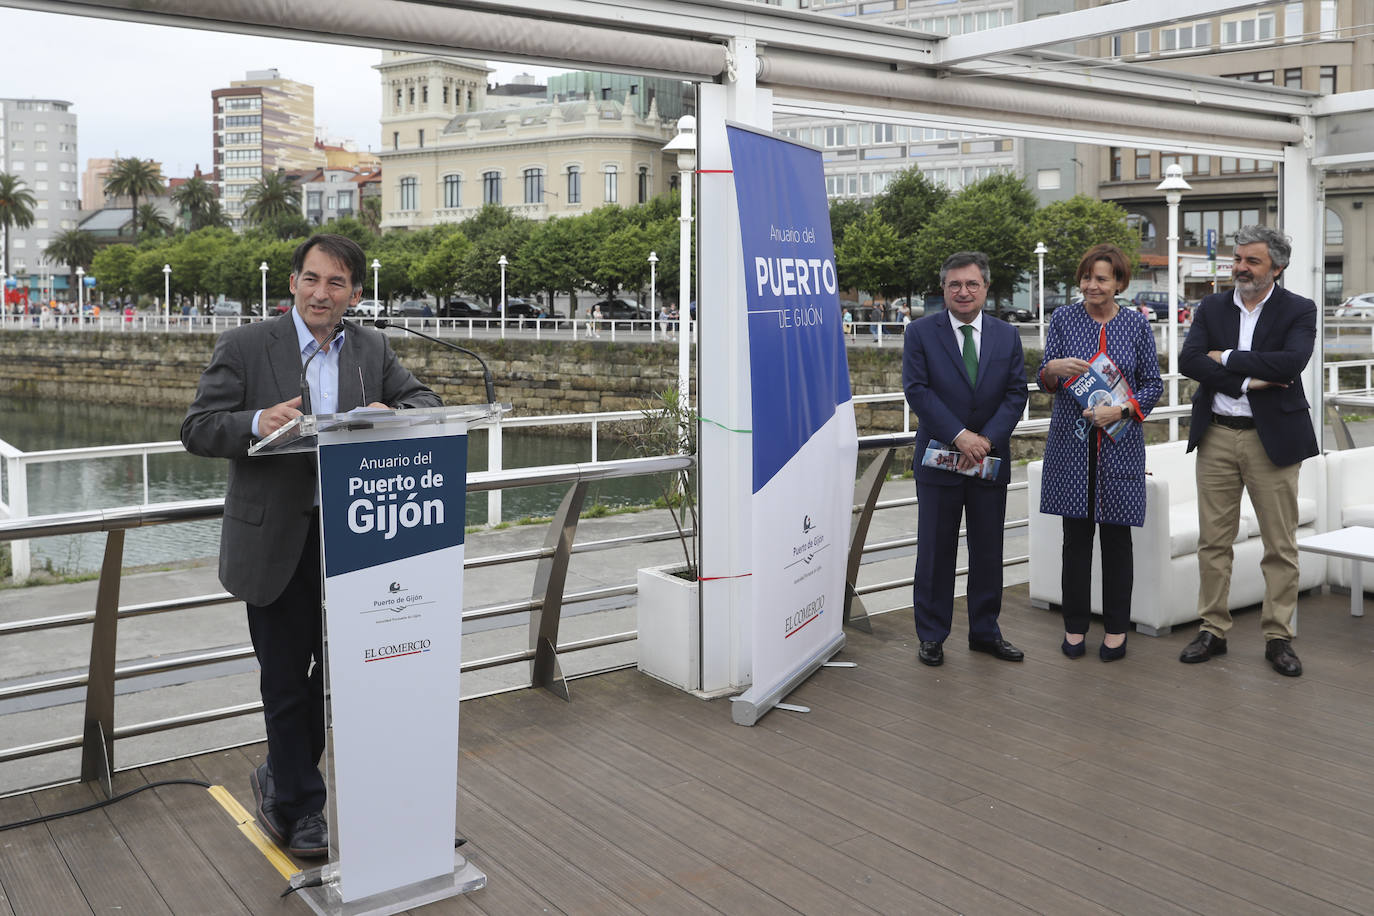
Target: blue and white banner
(804,440)
(392,526)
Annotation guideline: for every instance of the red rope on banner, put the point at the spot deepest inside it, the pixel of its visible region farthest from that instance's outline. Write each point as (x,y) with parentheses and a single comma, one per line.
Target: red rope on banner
(722,578)
(715,171)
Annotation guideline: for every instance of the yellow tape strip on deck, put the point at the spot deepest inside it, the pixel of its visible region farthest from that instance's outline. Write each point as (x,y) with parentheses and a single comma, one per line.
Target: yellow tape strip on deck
(249,828)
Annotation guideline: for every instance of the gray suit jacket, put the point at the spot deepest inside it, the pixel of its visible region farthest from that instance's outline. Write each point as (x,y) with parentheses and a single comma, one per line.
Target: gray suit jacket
(270,501)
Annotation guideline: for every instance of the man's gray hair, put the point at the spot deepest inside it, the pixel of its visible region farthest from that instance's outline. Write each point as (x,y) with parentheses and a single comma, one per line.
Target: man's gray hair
(964,259)
(1280,248)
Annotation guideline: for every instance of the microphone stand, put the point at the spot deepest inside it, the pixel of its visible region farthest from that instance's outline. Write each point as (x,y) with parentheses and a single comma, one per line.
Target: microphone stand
(305,385)
(382,323)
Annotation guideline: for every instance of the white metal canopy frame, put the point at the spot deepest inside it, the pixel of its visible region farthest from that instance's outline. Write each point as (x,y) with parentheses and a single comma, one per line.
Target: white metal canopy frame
(754,60)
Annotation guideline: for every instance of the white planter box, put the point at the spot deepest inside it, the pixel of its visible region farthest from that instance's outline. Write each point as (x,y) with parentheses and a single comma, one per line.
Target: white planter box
(669,627)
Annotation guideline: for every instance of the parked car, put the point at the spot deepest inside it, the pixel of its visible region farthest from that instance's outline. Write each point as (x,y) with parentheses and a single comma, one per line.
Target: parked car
(1009,312)
(230,307)
(368,308)
(462,307)
(1053,301)
(1361,306)
(414,308)
(1153,305)
(623,311)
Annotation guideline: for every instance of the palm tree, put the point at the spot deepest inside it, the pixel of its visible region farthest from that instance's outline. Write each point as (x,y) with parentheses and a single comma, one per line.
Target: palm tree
(134,176)
(73,248)
(16,208)
(274,194)
(154,221)
(195,198)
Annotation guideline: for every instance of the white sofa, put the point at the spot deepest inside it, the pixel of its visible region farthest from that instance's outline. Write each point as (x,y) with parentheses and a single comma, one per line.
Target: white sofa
(1349,501)
(1165,549)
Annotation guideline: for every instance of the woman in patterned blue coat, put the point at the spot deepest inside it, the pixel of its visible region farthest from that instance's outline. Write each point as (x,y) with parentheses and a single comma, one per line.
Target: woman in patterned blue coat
(1090,478)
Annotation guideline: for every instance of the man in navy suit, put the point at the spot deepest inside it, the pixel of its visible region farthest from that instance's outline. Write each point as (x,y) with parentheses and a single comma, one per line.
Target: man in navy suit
(964,376)
(1251,427)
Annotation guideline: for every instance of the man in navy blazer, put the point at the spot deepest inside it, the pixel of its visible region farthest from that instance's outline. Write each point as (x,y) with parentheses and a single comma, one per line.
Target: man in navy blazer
(270,541)
(964,376)
(1252,429)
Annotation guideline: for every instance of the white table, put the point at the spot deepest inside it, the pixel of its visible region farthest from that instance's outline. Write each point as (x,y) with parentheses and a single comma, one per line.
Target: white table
(1355,544)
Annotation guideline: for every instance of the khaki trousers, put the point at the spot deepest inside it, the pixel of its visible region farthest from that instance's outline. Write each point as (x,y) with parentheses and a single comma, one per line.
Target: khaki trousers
(1230,461)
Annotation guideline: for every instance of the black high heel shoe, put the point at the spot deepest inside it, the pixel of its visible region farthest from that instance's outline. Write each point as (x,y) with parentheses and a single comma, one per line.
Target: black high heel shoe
(1073,651)
(1108,654)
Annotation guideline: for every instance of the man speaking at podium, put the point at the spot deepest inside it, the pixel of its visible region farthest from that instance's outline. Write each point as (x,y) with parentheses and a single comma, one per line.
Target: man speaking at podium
(269,556)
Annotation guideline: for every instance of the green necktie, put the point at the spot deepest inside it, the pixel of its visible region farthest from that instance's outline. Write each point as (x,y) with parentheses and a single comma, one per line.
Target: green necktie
(970,354)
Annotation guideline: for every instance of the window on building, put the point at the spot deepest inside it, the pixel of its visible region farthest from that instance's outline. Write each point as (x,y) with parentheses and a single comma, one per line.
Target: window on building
(453,191)
(1326,80)
(1292,21)
(40,185)
(1142,163)
(1142,225)
(1328,19)
(1256,76)
(395,139)
(611,192)
(399,97)
(643,184)
(1191,165)
(1292,77)
(1335,229)
(1047,179)
(1117,44)
(1142,41)
(410,193)
(884,133)
(1186,38)
(345,200)
(420,138)
(1245,31)
(574,185)
(424,94)
(534,186)
(491,187)
(444,94)
(312,199)
(410,96)
(1114,157)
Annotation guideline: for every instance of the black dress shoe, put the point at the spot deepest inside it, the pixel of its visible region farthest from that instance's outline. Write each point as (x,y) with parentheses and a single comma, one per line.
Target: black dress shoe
(309,837)
(998,647)
(1202,648)
(931,653)
(1108,654)
(1073,650)
(1281,655)
(265,795)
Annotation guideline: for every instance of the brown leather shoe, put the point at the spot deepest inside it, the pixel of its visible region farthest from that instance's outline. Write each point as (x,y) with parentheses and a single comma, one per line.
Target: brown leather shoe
(1281,655)
(1202,648)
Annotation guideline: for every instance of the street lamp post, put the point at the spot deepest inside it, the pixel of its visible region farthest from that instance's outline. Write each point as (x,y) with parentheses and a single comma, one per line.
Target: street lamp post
(262,268)
(376,266)
(653,277)
(1173,187)
(503,262)
(167,296)
(4,296)
(685,145)
(80,291)
(1040,251)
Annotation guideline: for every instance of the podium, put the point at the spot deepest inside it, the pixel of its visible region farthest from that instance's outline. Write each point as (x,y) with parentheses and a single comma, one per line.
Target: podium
(392,488)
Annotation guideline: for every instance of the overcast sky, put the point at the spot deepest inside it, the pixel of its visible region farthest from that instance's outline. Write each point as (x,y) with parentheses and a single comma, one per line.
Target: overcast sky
(142,90)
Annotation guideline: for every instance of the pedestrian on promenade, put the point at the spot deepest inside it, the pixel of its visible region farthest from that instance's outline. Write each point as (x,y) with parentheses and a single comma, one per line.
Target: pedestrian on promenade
(1252,430)
(1093,477)
(270,539)
(964,376)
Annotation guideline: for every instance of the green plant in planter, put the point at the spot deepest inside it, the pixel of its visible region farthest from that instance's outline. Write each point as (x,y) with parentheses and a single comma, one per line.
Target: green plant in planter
(668,427)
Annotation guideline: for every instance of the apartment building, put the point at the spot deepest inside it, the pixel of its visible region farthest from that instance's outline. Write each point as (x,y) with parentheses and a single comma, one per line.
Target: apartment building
(38,145)
(447,152)
(1313,46)
(262,122)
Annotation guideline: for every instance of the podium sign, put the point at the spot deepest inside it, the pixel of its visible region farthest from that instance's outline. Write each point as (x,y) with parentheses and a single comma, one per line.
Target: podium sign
(392,503)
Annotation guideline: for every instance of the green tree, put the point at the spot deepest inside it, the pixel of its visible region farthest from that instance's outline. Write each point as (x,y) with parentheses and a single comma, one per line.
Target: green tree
(993,216)
(283,227)
(194,259)
(112,266)
(1070,227)
(73,248)
(154,222)
(621,262)
(370,212)
(481,270)
(909,201)
(489,218)
(198,202)
(871,257)
(272,195)
(352,227)
(16,208)
(842,214)
(134,177)
(397,252)
(440,270)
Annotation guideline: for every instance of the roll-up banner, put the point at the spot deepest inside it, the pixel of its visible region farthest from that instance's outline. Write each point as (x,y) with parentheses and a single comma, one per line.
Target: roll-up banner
(805,444)
(392,526)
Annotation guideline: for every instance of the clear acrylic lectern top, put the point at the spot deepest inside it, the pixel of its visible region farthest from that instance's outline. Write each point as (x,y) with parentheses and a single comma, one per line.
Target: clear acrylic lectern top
(300,434)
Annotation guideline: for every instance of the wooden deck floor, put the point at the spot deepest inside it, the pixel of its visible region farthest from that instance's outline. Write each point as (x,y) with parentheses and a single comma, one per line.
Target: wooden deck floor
(1054,786)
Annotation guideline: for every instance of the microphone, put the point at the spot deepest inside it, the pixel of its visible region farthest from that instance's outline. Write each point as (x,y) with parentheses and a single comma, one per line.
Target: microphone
(305,385)
(382,323)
